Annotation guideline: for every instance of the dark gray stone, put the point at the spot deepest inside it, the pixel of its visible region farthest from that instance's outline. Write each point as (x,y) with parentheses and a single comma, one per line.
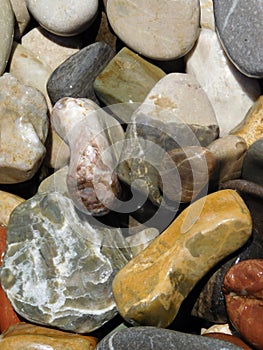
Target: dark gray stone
(152,338)
(58,268)
(240,29)
(75,76)
(253,163)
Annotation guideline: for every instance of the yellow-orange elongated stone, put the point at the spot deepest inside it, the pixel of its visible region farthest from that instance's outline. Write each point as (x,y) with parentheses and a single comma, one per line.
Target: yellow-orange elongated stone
(150,289)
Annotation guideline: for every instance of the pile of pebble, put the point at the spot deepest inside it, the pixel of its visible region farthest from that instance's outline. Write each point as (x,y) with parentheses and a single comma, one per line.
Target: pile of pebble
(131,174)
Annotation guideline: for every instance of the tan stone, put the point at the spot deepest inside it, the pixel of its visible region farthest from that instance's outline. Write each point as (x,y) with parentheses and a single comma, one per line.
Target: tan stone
(229,152)
(149,290)
(251,128)
(8,202)
(22,16)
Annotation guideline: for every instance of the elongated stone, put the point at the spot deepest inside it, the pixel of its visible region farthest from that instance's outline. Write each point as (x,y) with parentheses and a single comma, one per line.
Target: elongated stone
(150,289)
(207,14)
(250,128)
(135,338)
(22,17)
(253,163)
(230,92)
(24,128)
(94,138)
(75,76)
(166,32)
(239,26)
(127,80)
(164,121)
(58,267)
(6,33)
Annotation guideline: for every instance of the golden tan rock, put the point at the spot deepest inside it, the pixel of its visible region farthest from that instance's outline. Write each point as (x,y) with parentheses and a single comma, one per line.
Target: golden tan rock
(149,290)
(28,336)
(251,128)
(8,202)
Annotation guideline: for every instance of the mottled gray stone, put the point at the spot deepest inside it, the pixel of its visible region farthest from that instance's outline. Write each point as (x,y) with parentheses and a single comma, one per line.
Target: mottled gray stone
(152,338)
(239,26)
(253,163)
(75,76)
(58,268)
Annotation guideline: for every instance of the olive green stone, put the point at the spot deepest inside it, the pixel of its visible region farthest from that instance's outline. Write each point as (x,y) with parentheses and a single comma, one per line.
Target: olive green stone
(128,78)
(150,289)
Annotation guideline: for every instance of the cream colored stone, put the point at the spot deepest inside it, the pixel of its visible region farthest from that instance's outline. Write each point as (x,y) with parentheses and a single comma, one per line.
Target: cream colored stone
(217,328)
(230,92)
(8,202)
(207,19)
(22,16)
(161,30)
(50,48)
(56,182)
(6,32)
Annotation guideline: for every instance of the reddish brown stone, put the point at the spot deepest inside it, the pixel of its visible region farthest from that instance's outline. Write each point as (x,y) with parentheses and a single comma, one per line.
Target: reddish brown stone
(230,338)
(243,289)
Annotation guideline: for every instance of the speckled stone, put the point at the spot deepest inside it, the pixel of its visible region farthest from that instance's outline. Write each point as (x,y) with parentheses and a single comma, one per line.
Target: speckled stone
(24,128)
(164,121)
(149,338)
(166,32)
(239,26)
(150,289)
(230,92)
(58,267)
(75,76)
(95,140)
(65,19)
(253,163)
(243,290)
(127,80)
(6,33)
(229,152)
(8,202)
(250,127)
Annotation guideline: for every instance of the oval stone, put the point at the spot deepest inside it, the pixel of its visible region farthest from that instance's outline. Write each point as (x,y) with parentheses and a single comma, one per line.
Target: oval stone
(166,30)
(65,19)
(150,289)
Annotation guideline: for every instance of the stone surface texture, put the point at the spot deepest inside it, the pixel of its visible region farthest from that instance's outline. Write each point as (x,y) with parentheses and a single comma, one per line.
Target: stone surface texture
(152,338)
(165,120)
(167,30)
(28,336)
(126,81)
(229,338)
(94,138)
(253,163)
(75,76)
(22,17)
(239,26)
(229,152)
(24,128)
(8,202)
(207,19)
(50,48)
(243,290)
(65,19)
(230,92)
(250,127)
(150,289)
(6,33)
(58,267)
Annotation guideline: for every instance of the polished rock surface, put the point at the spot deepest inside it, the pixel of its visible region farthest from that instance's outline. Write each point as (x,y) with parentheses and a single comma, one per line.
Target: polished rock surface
(253,163)
(150,289)
(165,120)
(24,129)
(239,26)
(250,127)
(127,80)
(149,338)
(167,30)
(28,336)
(75,76)
(6,33)
(243,290)
(58,267)
(229,91)
(95,139)
(65,19)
